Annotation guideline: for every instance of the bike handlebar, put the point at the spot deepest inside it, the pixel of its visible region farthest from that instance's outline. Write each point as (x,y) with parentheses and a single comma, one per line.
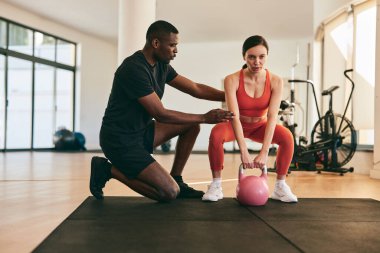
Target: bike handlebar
(348,70)
(345,74)
(300,81)
(349,98)
(315,97)
(312,86)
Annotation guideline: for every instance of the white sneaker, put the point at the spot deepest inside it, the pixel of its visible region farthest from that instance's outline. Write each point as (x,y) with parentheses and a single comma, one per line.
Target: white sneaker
(214,193)
(283,193)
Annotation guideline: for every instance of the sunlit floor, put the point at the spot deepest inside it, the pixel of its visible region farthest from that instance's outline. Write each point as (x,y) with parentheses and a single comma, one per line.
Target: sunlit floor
(38,190)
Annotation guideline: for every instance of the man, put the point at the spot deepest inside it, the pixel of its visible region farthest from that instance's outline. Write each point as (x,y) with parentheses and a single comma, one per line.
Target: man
(129,133)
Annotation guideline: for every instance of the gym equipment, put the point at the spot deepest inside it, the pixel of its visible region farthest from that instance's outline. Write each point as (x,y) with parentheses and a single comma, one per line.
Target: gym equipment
(252,190)
(333,138)
(80,141)
(64,139)
(165,147)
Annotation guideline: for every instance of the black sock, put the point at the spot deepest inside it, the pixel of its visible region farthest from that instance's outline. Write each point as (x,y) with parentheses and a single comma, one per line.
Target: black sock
(178,179)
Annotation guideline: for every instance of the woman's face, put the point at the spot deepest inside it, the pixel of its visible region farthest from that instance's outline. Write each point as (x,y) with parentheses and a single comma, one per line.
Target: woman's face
(255,58)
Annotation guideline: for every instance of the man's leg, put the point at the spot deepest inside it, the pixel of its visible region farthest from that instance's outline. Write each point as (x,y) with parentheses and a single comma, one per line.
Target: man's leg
(153,182)
(187,134)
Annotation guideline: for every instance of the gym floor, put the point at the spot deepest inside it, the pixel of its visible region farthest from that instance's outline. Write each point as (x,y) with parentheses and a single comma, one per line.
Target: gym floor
(38,190)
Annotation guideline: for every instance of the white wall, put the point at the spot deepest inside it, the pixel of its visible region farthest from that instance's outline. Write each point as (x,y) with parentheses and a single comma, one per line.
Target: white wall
(375,172)
(96,65)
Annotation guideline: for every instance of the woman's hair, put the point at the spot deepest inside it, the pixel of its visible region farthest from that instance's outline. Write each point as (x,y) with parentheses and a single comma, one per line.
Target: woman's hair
(253,41)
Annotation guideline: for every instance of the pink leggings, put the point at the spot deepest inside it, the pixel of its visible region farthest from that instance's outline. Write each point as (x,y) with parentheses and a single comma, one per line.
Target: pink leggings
(223,132)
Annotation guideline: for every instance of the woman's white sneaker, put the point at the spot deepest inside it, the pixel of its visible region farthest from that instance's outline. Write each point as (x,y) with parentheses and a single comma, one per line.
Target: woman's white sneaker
(214,193)
(283,193)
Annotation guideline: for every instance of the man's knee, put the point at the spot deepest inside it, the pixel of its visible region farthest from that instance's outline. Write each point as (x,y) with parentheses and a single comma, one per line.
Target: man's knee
(195,129)
(169,193)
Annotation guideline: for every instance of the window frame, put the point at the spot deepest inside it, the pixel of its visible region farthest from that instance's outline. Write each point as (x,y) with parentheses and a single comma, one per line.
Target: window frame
(36,60)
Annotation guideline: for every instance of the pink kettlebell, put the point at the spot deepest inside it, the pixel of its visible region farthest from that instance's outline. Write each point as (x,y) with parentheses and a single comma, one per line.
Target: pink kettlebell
(252,190)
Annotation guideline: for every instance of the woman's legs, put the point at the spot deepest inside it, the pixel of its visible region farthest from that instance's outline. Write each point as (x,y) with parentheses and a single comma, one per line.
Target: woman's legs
(220,134)
(284,139)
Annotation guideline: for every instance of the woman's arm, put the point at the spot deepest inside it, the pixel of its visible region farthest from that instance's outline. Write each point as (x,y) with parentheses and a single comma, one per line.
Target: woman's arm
(231,84)
(274,104)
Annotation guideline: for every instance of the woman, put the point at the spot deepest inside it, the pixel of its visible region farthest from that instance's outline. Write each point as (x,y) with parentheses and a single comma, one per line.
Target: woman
(253,94)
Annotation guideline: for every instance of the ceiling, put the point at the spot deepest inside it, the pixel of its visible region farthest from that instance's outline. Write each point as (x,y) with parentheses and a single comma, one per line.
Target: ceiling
(197,20)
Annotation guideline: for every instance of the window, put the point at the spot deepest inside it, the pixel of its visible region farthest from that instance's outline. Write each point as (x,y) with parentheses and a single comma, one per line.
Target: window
(64,105)
(365,44)
(20,39)
(3,33)
(37,86)
(342,36)
(337,50)
(66,52)
(364,65)
(19,109)
(2,101)
(44,46)
(349,42)
(44,106)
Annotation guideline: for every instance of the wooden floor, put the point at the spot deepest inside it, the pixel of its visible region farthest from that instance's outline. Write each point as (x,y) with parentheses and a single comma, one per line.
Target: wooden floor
(38,190)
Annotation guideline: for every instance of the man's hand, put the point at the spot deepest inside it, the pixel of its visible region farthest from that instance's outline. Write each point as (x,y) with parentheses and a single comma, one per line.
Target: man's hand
(217,116)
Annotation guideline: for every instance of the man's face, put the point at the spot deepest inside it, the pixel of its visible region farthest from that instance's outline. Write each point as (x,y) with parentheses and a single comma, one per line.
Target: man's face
(166,48)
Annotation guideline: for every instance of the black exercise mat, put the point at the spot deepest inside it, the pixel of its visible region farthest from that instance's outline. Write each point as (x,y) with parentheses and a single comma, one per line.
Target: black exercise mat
(136,224)
(326,225)
(317,209)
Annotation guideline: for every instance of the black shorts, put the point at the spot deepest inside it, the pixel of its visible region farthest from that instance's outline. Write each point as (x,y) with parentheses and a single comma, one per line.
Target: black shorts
(131,154)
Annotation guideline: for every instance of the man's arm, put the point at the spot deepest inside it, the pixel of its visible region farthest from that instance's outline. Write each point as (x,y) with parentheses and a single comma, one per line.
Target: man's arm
(155,108)
(197,90)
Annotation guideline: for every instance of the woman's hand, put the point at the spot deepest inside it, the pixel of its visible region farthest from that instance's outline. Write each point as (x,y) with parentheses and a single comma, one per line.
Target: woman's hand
(260,160)
(246,159)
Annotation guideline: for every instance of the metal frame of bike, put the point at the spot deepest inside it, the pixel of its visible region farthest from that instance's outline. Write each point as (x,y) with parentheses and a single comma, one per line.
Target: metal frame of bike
(333,138)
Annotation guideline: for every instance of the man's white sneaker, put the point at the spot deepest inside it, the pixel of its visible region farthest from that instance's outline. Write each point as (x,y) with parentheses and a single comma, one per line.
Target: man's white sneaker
(283,193)
(214,193)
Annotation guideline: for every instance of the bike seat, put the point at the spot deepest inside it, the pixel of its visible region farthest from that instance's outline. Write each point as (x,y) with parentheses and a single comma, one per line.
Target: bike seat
(329,90)
(284,104)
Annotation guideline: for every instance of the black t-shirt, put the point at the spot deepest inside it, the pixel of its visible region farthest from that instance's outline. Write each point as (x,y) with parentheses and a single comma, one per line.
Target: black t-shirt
(135,78)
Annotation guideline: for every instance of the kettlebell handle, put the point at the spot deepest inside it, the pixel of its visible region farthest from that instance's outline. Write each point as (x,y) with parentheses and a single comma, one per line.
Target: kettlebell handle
(264,171)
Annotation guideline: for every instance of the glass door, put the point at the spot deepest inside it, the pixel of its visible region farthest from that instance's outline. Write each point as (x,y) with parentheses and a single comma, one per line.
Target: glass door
(19,109)
(64,99)
(44,109)
(2,101)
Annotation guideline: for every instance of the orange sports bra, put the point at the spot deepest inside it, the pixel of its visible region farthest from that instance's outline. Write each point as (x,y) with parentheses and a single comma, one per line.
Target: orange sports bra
(253,107)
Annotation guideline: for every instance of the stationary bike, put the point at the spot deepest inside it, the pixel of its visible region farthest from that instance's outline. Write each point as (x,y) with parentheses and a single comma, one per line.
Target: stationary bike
(333,138)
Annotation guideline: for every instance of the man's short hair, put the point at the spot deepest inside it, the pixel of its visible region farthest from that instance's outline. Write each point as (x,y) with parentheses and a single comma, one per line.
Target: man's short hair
(160,29)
